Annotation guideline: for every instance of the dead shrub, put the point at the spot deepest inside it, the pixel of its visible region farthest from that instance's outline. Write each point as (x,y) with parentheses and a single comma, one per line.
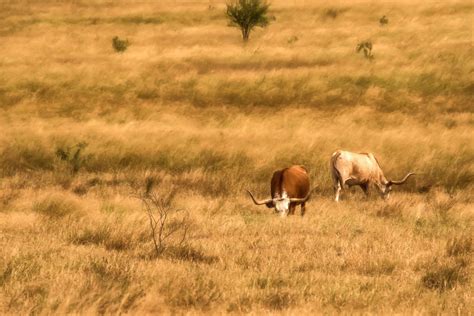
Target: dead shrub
(168,226)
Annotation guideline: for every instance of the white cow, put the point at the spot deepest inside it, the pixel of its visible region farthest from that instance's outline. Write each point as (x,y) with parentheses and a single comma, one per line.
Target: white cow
(362,169)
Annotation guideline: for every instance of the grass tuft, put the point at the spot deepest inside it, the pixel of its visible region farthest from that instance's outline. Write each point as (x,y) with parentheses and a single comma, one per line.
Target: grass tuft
(390,209)
(444,276)
(278,300)
(198,292)
(56,206)
(188,253)
(459,246)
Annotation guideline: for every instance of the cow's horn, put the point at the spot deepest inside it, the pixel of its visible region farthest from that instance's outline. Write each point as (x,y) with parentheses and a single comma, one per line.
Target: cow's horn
(297,200)
(258,202)
(403,180)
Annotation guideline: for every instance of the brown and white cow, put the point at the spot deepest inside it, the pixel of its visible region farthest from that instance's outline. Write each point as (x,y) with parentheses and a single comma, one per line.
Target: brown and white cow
(362,169)
(289,187)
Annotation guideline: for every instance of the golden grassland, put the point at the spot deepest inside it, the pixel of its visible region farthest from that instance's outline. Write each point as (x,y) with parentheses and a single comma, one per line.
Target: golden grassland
(190,107)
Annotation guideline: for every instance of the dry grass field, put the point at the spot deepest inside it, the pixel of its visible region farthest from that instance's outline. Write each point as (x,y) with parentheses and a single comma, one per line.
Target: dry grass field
(190,109)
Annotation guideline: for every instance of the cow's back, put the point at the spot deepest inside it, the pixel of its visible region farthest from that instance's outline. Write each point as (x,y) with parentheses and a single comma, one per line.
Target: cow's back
(294,181)
(360,166)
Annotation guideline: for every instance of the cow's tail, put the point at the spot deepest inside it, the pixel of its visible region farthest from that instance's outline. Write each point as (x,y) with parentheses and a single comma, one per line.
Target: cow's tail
(335,173)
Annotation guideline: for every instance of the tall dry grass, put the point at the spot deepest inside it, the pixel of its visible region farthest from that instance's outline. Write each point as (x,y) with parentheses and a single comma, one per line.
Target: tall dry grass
(188,106)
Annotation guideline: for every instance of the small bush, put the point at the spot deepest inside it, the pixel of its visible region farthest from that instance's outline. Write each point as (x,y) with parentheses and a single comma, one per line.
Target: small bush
(120,45)
(366,48)
(168,226)
(331,13)
(383,20)
(292,39)
(80,189)
(72,156)
(247,14)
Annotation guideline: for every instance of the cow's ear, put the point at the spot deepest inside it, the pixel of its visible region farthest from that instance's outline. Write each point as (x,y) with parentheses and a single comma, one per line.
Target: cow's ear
(270,204)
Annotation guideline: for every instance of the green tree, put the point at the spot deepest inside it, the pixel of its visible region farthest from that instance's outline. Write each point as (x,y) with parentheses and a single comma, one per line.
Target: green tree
(247,14)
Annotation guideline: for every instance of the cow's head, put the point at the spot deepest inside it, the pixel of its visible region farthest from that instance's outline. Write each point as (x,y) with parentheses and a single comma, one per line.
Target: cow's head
(281,204)
(386,187)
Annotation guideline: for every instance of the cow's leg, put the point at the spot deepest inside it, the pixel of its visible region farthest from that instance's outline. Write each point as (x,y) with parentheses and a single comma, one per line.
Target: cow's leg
(292,209)
(365,188)
(338,190)
(303,208)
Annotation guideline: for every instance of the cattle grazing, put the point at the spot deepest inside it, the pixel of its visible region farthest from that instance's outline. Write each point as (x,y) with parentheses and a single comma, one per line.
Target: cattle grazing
(289,187)
(360,169)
